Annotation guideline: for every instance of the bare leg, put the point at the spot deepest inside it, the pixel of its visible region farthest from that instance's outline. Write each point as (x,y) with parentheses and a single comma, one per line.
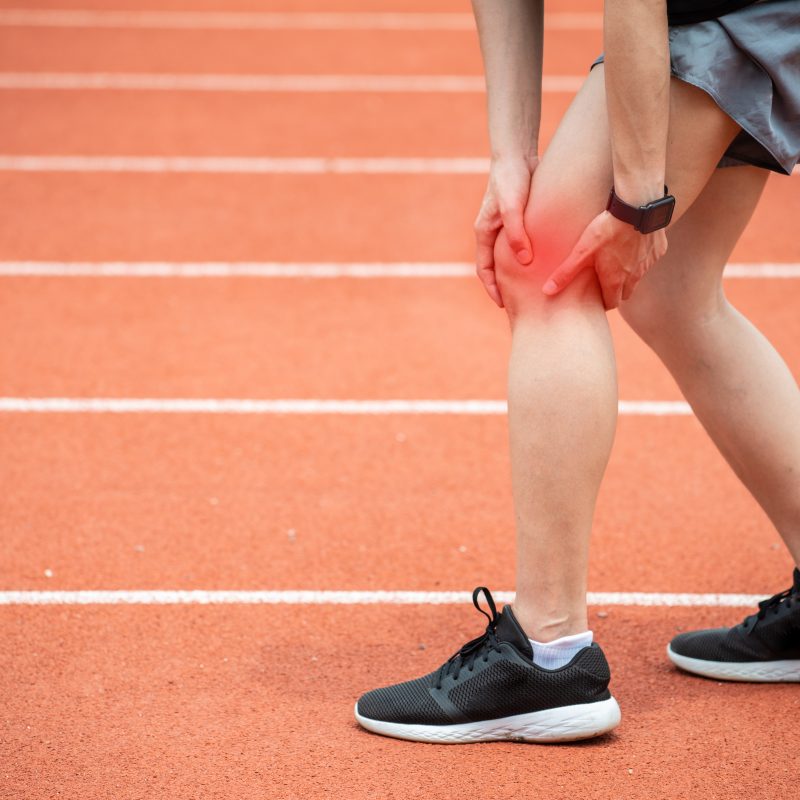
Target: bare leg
(737,384)
(562,381)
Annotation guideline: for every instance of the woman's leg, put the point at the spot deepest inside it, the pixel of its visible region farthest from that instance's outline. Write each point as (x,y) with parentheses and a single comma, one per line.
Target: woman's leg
(737,384)
(562,382)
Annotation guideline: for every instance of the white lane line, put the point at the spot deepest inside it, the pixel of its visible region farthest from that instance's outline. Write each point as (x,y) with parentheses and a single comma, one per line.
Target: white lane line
(151,405)
(249,166)
(245,21)
(298,269)
(225,269)
(310,597)
(765,270)
(265,83)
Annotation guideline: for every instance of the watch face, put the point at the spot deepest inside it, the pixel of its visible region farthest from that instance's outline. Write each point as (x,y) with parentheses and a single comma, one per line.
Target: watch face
(658,214)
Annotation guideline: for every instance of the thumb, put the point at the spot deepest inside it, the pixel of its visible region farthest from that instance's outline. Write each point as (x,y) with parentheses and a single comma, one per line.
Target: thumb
(517,236)
(578,260)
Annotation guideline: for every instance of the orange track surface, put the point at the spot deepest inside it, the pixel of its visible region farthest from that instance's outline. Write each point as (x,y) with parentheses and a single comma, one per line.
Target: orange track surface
(255,702)
(276,52)
(299,338)
(212,123)
(358,6)
(375,503)
(93,216)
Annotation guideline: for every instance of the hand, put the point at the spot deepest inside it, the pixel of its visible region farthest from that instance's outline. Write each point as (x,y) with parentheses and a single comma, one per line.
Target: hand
(619,254)
(502,207)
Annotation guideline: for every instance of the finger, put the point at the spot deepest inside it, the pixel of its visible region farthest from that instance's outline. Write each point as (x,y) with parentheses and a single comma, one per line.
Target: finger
(633,278)
(581,257)
(494,293)
(631,282)
(612,294)
(517,236)
(484,259)
(485,238)
(489,281)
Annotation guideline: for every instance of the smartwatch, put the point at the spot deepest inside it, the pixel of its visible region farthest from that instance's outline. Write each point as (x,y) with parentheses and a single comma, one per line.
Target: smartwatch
(647,218)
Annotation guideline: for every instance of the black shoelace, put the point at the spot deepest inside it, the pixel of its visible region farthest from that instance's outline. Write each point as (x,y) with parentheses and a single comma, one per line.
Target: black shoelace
(772,605)
(482,646)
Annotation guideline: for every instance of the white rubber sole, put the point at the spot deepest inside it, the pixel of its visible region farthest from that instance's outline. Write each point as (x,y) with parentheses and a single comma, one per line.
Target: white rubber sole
(753,671)
(565,724)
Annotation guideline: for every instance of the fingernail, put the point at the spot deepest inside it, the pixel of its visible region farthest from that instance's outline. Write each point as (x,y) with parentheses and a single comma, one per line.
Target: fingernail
(549,287)
(524,256)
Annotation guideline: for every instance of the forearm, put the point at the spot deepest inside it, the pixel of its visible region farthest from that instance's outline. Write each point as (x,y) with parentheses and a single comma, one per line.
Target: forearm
(510,33)
(637,75)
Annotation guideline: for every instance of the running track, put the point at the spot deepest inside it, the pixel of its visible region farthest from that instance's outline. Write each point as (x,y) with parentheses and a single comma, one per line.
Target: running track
(223,697)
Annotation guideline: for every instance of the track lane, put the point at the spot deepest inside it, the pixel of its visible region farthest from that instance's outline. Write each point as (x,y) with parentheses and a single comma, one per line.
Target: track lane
(273,338)
(299,338)
(140,217)
(456,6)
(219,702)
(24,49)
(279,124)
(199,502)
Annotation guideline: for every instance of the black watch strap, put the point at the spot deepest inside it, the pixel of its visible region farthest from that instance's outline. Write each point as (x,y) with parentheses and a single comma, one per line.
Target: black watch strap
(647,218)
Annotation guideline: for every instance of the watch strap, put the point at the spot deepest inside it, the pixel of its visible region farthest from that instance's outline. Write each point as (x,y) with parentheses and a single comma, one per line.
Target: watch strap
(637,216)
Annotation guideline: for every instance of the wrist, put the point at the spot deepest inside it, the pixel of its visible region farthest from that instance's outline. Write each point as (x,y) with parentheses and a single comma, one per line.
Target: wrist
(638,192)
(528,157)
(645,218)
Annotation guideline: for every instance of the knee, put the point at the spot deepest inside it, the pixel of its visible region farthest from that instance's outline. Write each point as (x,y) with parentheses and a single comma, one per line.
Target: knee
(521,285)
(668,318)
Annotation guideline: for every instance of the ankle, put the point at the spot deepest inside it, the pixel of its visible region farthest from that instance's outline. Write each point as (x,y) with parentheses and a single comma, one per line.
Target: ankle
(543,627)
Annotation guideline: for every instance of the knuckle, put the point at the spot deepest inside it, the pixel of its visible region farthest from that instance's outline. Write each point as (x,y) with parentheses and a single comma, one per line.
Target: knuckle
(507,205)
(486,226)
(513,228)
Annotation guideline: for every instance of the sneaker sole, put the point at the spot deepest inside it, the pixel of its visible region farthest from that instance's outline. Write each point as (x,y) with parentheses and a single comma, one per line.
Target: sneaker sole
(752,672)
(564,724)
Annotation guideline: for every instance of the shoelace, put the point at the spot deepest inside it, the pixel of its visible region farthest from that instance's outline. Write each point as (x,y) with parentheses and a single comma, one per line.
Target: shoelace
(483,645)
(773,604)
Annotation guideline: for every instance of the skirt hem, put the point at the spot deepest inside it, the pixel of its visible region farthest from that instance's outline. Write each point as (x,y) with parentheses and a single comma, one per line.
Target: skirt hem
(778,165)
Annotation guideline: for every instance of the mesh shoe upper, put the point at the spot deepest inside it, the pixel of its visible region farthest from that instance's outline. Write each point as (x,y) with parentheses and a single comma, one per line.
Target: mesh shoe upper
(771,634)
(409,702)
(510,686)
(490,677)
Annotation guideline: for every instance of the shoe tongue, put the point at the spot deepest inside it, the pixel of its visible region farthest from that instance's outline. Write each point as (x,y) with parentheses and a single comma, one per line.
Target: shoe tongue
(509,630)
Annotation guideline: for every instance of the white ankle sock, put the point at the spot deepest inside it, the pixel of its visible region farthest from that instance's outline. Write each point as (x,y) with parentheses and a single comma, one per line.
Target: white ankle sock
(555,654)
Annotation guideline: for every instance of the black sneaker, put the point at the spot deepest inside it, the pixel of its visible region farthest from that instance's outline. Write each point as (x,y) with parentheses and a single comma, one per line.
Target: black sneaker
(491,690)
(764,648)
